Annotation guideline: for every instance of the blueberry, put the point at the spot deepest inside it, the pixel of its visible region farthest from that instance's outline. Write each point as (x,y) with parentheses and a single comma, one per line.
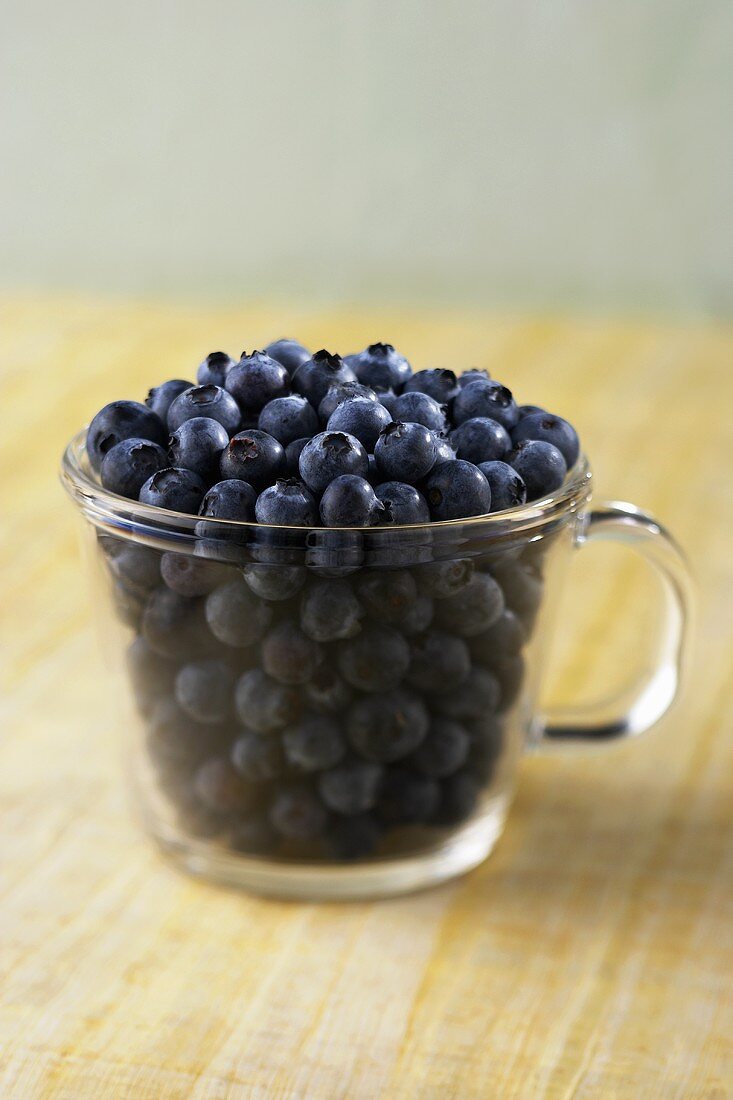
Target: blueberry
(151,675)
(444,750)
(522,592)
(313,744)
(527,410)
(418,616)
(330,610)
(214,369)
(289,655)
(197,445)
(477,696)
(405,452)
(474,609)
(211,401)
(376,660)
(288,418)
(256,380)
(160,398)
(540,465)
(230,499)
(480,440)
(507,487)
(387,595)
(458,798)
(293,451)
(335,552)
(190,576)
(252,835)
(485,398)
(475,374)
(175,743)
(353,837)
(235,616)
(218,786)
(290,353)
(204,690)
(350,501)
(326,692)
(443,450)
(487,742)
(339,392)
(361,417)
(274,582)
(257,756)
(440,384)
(351,787)
(253,456)
(550,429)
(457,490)
(510,674)
(381,367)
(406,798)
(121,420)
(387,398)
(128,465)
(296,814)
(328,455)
(388,726)
(314,378)
(418,408)
(504,638)
(439,662)
(173,626)
(403,503)
(263,704)
(287,503)
(173,488)
(444,578)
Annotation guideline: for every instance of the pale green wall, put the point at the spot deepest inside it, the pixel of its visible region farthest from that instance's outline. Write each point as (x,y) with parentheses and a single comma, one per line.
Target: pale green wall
(530,151)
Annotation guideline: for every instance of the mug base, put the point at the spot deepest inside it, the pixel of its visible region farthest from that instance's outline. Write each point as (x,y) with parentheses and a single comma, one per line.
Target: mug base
(463,851)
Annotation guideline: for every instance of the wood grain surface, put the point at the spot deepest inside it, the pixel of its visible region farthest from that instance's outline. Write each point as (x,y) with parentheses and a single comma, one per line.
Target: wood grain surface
(591,956)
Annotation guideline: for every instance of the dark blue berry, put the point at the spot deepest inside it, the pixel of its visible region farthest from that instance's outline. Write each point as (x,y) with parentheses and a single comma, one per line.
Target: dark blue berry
(137,568)
(444,578)
(328,455)
(288,418)
(388,726)
(403,503)
(477,696)
(121,420)
(253,456)
(416,407)
(480,440)
(290,353)
(457,490)
(540,465)
(174,626)
(257,756)
(229,500)
(128,465)
(252,835)
(191,576)
(256,380)
(522,591)
(287,503)
(219,787)
(407,798)
(360,417)
(197,445)
(204,690)
(405,452)
(351,787)
(444,749)
(458,799)
(504,638)
(349,501)
(510,674)
(387,595)
(439,662)
(288,655)
(485,398)
(375,660)
(313,744)
(330,610)
(264,704)
(297,814)
(274,582)
(443,450)
(151,675)
(339,392)
(293,451)
(235,616)
(326,692)
(439,383)
(214,369)
(381,367)
(387,398)
(173,488)
(418,616)
(335,552)
(315,376)
(527,410)
(474,609)
(160,398)
(550,429)
(475,374)
(353,837)
(507,487)
(211,401)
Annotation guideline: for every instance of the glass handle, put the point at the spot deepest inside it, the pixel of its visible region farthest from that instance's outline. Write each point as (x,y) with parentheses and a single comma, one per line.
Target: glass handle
(637,709)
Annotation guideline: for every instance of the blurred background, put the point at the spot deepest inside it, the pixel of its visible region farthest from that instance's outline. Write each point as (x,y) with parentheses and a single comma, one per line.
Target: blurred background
(572,155)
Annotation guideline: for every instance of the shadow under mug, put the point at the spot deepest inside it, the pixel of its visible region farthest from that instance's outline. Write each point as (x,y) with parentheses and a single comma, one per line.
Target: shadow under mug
(338,713)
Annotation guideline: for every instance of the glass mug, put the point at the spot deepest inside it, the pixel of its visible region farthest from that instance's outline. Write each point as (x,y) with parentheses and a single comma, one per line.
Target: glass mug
(338,713)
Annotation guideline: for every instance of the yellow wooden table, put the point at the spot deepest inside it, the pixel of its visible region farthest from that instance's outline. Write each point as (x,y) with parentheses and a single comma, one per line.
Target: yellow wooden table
(592,956)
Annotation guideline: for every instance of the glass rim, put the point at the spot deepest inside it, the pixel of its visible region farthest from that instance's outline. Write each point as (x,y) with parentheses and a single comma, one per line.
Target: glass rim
(108,507)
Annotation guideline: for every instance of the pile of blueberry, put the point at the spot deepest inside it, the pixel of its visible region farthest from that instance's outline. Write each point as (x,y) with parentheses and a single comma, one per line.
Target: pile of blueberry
(327,701)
